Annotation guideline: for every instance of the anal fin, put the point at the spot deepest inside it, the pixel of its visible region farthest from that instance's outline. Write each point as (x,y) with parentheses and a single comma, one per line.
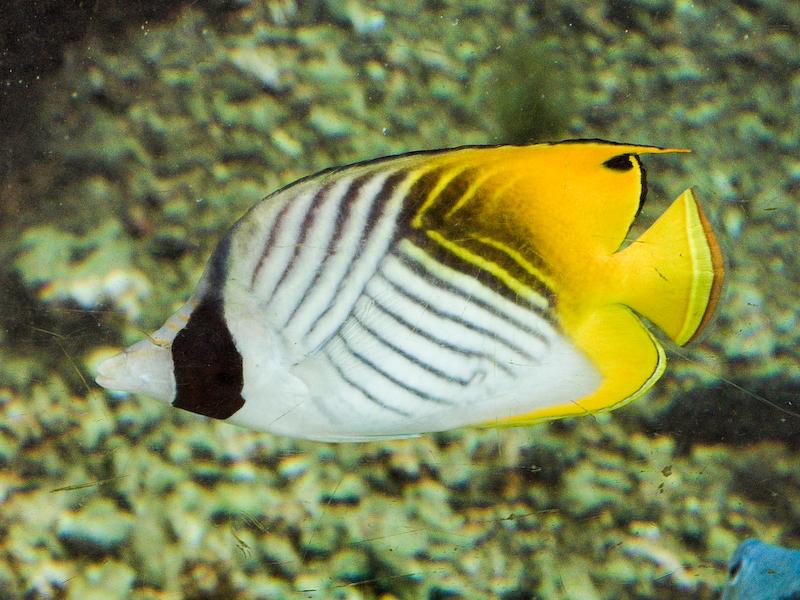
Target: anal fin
(629,358)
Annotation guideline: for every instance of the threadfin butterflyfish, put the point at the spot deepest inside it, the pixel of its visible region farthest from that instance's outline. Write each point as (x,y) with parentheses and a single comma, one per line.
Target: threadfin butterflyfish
(481,285)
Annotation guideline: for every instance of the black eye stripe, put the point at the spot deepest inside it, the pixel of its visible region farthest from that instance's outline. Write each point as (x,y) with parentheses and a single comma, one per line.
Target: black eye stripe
(622,162)
(208,367)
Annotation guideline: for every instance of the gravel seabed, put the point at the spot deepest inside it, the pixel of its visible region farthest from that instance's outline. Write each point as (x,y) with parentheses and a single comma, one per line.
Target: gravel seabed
(157,138)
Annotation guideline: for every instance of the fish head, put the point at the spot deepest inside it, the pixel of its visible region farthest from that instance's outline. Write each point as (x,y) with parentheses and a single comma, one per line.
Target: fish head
(192,362)
(145,368)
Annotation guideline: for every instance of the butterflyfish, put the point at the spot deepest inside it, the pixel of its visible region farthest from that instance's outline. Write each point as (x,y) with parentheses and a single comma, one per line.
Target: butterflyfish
(473,286)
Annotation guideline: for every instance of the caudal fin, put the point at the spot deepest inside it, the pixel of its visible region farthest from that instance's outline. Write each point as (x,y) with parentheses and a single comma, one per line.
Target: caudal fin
(673,273)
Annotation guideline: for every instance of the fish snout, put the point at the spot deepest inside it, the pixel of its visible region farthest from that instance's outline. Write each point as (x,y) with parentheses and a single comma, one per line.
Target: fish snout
(144,368)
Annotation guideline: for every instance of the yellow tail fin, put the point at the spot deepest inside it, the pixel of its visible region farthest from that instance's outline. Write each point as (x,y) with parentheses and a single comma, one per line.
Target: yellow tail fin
(673,273)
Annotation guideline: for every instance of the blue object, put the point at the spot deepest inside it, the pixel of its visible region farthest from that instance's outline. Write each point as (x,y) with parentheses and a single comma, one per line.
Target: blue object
(759,571)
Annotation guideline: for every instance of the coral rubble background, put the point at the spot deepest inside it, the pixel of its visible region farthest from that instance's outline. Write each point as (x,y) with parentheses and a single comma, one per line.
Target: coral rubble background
(132,139)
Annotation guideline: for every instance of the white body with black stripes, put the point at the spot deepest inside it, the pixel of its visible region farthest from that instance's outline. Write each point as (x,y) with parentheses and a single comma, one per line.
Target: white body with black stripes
(434,290)
(346,329)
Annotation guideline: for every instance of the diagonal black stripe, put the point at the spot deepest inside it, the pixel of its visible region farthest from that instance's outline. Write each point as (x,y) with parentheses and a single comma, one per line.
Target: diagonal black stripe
(342,218)
(308,224)
(366,394)
(516,270)
(381,198)
(455,263)
(376,210)
(439,341)
(265,251)
(410,357)
(434,218)
(472,326)
(415,198)
(447,258)
(368,362)
(447,197)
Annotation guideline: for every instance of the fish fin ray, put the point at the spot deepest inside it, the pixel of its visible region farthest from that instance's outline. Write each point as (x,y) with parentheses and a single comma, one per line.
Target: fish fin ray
(674,271)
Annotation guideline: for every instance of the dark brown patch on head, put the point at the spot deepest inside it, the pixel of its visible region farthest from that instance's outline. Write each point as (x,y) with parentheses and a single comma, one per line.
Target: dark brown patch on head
(208,367)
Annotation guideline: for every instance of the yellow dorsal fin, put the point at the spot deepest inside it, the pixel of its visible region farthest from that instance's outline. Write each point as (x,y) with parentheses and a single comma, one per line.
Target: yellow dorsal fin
(582,194)
(673,276)
(590,192)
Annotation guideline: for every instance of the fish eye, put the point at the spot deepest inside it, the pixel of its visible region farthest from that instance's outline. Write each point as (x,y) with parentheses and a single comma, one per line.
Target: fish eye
(734,569)
(224,378)
(622,162)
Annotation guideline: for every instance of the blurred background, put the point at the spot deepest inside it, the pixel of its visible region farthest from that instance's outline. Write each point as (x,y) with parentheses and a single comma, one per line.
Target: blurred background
(132,135)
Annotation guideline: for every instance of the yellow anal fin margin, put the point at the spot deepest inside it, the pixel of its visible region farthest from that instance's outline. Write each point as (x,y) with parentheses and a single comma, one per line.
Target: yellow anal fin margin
(629,358)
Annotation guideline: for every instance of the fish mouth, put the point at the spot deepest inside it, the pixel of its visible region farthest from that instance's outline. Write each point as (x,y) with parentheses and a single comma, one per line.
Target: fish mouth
(114,373)
(144,368)
(104,369)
